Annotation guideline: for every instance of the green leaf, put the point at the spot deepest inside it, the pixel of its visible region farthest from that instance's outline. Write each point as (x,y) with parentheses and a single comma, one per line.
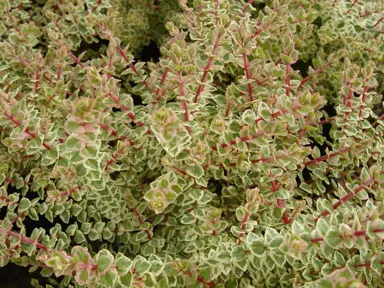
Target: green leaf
(79,237)
(257,248)
(332,238)
(322,227)
(72,143)
(53,153)
(90,152)
(264,111)
(123,264)
(238,253)
(248,117)
(109,278)
(195,171)
(270,234)
(231,283)
(339,259)
(24,205)
(126,280)
(234,126)
(141,265)
(276,242)
(104,260)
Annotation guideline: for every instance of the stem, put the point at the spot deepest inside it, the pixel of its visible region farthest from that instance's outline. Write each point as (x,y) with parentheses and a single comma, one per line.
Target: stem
(280,202)
(69,192)
(350,94)
(244,222)
(288,79)
(130,114)
(142,222)
(76,60)
(33,135)
(326,157)
(122,53)
(378,22)
(247,74)
(207,68)
(58,73)
(243,139)
(114,157)
(347,197)
(161,83)
(114,133)
(377,121)
(23,238)
(217,11)
(199,279)
(183,101)
(250,2)
(363,96)
(98,4)
(321,69)
(37,80)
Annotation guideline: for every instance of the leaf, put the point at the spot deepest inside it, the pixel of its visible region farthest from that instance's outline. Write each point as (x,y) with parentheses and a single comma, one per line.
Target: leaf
(257,248)
(238,253)
(126,280)
(141,265)
(53,153)
(109,278)
(270,234)
(93,76)
(72,143)
(104,260)
(276,242)
(234,126)
(24,205)
(264,111)
(248,117)
(79,237)
(332,238)
(195,171)
(90,152)
(376,229)
(322,227)
(339,259)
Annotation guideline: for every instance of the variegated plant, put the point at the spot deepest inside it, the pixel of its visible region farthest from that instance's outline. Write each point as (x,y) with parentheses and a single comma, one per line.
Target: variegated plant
(249,155)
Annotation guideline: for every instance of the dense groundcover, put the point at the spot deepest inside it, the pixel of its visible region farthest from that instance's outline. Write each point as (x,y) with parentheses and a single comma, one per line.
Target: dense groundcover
(204,143)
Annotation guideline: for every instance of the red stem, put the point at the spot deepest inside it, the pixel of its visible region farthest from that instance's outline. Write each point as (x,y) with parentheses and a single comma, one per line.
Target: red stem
(243,139)
(288,79)
(18,123)
(158,96)
(76,60)
(142,222)
(23,238)
(326,157)
(69,192)
(98,4)
(363,96)
(321,69)
(247,74)
(206,69)
(250,2)
(378,22)
(114,157)
(217,11)
(377,121)
(347,197)
(37,79)
(183,101)
(122,53)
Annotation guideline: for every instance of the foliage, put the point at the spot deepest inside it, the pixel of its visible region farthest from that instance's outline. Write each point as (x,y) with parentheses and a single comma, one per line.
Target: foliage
(249,155)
